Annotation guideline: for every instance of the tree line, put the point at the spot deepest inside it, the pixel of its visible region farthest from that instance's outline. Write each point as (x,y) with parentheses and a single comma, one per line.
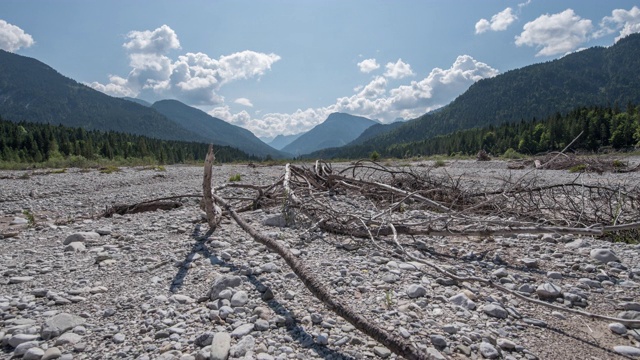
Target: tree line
(601,127)
(37,143)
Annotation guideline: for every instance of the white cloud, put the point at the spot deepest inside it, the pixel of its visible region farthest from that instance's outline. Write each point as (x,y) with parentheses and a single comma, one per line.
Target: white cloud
(556,34)
(243,102)
(158,41)
(12,38)
(499,21)
(368,65)
(373,100)
(398,70)
(194,78)
(626,21)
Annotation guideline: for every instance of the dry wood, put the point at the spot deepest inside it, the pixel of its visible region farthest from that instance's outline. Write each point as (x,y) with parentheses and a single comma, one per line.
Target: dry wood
(213,214)
(393,343)
(152,205)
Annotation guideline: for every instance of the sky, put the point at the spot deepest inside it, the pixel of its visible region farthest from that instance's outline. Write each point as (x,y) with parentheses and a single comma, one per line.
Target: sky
(281,67)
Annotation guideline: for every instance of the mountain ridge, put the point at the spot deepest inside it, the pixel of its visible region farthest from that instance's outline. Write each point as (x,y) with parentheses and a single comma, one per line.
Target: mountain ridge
(337,130)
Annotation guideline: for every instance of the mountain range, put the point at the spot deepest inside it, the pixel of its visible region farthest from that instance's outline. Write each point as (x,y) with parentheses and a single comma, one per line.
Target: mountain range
(32,91)
(281,141)
(596,76)
(337,130)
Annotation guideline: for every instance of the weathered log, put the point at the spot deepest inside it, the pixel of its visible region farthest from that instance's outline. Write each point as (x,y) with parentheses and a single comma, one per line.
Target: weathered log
(123,209)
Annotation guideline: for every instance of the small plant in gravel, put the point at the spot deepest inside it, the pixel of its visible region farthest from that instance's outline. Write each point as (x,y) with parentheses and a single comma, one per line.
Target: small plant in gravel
(439,163)
(30,217)
(578,168)
(388,299)
(109,169)
(618,164)
(24,176)
(236,177)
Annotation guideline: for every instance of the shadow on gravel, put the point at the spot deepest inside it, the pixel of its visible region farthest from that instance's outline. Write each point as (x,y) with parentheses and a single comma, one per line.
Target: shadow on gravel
(294,329)
(586,341)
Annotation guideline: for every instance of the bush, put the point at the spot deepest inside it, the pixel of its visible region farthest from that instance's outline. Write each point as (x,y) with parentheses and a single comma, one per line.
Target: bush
(236,177)
(375,156)
(109,169)
(512,154)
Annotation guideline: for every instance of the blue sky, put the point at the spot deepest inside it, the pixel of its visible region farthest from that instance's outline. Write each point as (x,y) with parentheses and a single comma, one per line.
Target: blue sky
(281,67)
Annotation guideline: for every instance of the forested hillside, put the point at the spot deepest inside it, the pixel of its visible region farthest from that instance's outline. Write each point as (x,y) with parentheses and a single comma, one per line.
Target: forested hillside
(593,77)
(601,128)
(32,91)
(35,143)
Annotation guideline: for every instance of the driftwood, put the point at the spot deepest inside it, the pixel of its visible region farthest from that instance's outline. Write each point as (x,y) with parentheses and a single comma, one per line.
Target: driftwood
(414,204)
(151,205)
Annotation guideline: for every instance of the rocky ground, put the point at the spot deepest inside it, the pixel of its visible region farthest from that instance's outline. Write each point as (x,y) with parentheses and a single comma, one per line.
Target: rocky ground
(147,286)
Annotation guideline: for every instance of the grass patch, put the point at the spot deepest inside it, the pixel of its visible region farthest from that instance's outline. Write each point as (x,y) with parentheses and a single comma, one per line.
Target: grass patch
(578,168)
(109,169)
(439,163)
(236,177)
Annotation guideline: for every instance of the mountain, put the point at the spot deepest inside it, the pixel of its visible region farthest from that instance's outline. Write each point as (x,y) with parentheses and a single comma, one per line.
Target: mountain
(339,129)
(32,91)
(596,76)
(138,101)
(213,129)
(280,141)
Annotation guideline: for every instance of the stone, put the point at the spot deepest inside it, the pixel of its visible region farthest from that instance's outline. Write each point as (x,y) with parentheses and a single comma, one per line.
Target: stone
(618,328)
(245,345)
(462,300)
(118,338)
(68,338)
(20,279)
(488,351)
(75,246)
(548,291)
(382,351)
(83,237)
(630,315)
(604,255)
(34,353)
(261,325)
(415,291)
(223,282)
(220,346)
(19,221)
(18,339)
(626,350)
(240,298)
(181,299)
(530,263)
(434,354)
(438,341)
(22,349)
(505,344)
(51,353)
(204,339)
(59,324)
(275,221)
(495,311)
(242,330)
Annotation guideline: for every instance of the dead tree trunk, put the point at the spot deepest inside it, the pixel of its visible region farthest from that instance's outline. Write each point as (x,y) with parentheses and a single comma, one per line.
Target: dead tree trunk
(393,343)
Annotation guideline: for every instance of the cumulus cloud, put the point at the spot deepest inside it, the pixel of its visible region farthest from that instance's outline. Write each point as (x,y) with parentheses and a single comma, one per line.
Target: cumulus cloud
(194,78)
(398,70)
(368,65)
(373,100)
(499,21)
(625,21)
(555,34)
(13,38)
(243,102)
(158,41)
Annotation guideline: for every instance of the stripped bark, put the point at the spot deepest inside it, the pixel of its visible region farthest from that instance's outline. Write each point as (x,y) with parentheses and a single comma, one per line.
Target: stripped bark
(213,215)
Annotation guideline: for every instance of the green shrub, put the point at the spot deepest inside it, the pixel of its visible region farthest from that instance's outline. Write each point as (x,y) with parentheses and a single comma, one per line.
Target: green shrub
(619,164)
(236,177)
(512,154)
(375,156)
(578,168)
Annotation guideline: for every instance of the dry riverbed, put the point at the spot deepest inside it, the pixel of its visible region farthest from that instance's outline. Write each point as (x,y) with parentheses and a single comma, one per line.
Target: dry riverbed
(75,285)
